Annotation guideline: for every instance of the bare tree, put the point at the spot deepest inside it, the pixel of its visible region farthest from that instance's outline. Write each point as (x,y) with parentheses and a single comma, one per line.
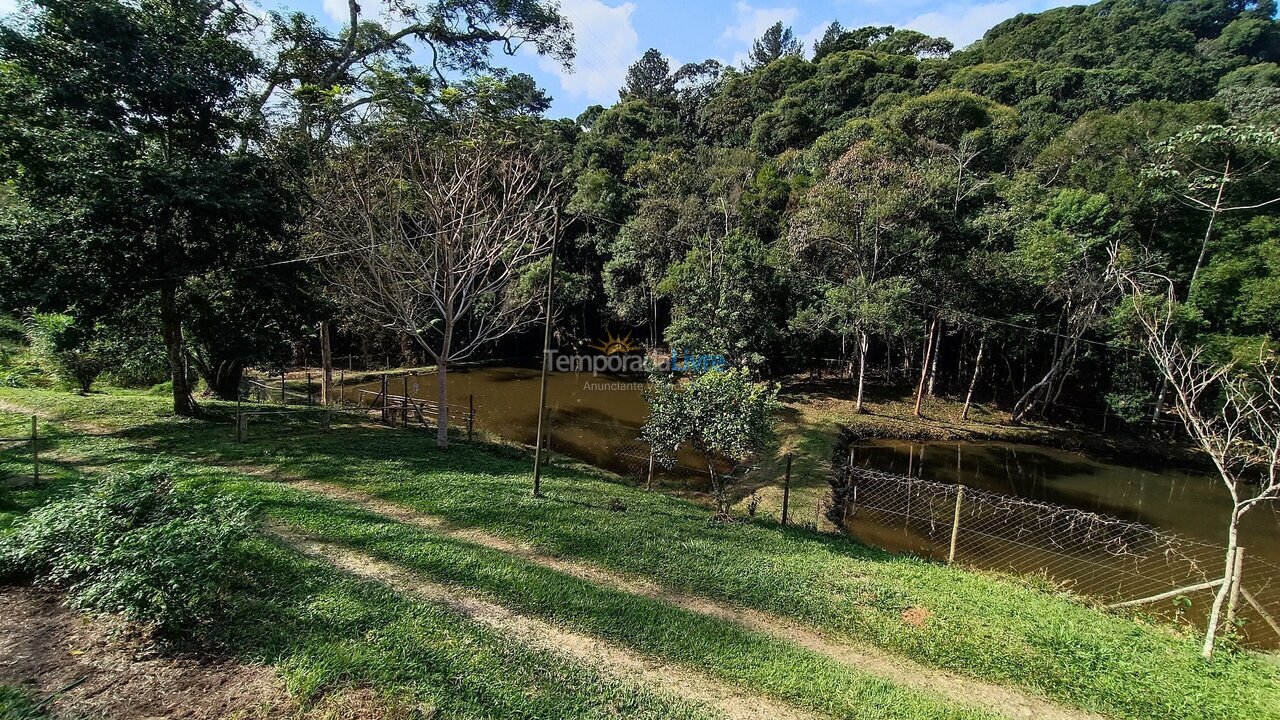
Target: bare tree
(430,237)
(1231,410)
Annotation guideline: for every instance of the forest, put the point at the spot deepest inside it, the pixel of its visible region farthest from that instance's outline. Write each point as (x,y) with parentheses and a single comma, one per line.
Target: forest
(879,201)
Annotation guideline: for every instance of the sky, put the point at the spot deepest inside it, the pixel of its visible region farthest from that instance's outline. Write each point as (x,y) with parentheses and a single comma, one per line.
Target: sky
(612,34)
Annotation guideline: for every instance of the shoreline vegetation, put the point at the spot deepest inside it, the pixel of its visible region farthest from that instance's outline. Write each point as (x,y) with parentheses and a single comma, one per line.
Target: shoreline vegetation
(976,625)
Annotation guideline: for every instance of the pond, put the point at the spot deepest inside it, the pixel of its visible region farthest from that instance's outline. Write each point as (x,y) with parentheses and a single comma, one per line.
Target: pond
(594,417)
(1186,502)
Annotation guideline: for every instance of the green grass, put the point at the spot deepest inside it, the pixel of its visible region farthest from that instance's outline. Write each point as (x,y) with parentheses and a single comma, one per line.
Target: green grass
(1003,631)
(648,626)
(18,704)
(327,631)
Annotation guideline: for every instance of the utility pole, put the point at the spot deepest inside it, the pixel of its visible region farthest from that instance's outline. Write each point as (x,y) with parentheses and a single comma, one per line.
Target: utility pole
(546,363)
(326,362)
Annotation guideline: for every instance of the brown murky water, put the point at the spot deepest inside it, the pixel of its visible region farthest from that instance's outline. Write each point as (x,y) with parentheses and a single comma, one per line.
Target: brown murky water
(595,418)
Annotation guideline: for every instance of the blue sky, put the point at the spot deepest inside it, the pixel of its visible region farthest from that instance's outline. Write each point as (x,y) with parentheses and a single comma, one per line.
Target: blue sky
(611,34)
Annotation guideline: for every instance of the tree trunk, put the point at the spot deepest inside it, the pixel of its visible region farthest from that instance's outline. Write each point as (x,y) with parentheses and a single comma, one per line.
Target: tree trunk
(171,327)
(862,367)
(924,365)
(326,362)
(1028,400)
(442,412)
(1164,387)
(933,363)
(1211,632)
(973,381)
(1208,231)
(717,487)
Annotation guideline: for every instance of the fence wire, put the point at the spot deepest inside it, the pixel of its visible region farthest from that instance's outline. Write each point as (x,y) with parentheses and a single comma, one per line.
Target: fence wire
(1090,554)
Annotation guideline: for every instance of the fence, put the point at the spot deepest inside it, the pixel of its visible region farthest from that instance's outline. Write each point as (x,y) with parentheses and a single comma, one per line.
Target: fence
(1116,561)
(393,409)
(32,441)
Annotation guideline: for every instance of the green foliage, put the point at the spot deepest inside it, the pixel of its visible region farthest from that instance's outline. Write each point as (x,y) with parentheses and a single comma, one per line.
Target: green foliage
(135,545)
(64,347)
(721,413)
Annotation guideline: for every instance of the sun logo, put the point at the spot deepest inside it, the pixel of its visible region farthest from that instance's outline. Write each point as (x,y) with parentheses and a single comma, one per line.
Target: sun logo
(616,346)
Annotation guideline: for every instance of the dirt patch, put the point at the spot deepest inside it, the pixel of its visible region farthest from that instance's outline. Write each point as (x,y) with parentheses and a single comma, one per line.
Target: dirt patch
(87,669)
(916,616)
(93,672)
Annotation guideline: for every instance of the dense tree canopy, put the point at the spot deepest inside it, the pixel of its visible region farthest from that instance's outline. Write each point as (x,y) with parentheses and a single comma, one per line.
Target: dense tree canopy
(944,218)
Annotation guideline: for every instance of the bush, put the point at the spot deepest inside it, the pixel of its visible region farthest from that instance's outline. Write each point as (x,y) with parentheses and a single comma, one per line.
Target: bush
(67,349)
(135,546)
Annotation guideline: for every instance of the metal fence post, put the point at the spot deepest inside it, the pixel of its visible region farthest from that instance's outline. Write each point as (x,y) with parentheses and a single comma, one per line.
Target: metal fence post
(955,524)
(648,483)
(35,448)
(310,395)
(404,403)
(471,415)
(283,400)
(786,491)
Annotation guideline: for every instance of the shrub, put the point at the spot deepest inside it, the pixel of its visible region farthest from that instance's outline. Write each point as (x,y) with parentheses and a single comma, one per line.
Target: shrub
(67,349)
(135,546)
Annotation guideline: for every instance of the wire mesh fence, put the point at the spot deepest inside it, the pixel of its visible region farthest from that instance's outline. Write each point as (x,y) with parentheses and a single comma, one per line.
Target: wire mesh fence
(1093,555)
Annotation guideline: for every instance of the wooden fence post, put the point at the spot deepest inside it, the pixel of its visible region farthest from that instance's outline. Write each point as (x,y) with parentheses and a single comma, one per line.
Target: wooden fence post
(1234,598)
(385,402)
(786,491)
(342,387)
(310,395)
(955,524)
(471,415)
(283,399)
(35,448)
(404,403)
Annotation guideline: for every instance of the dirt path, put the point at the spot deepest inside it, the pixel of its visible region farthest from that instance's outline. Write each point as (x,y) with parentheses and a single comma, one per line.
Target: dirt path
(1001,700)
(997,699)
(616,662)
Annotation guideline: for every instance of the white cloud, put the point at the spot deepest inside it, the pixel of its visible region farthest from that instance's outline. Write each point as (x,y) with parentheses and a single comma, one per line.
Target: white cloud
(962,24)
(750,22)
(607,44)
(335,10)
(8,6)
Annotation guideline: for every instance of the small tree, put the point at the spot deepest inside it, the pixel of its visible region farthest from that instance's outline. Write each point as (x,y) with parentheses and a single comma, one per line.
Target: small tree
(430,237)
(721,413)
(1230,408)
(69,351)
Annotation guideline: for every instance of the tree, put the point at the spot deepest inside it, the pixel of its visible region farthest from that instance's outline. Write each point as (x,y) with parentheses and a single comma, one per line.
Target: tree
(864,229)
(317,78)
(1201,164)
(430,237)
(776,43)
(648,78)
(721,413)
(1231,408)
(143,103)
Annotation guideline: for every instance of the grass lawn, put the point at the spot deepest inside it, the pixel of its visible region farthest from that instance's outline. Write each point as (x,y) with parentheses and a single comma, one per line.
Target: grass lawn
(1001,630)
